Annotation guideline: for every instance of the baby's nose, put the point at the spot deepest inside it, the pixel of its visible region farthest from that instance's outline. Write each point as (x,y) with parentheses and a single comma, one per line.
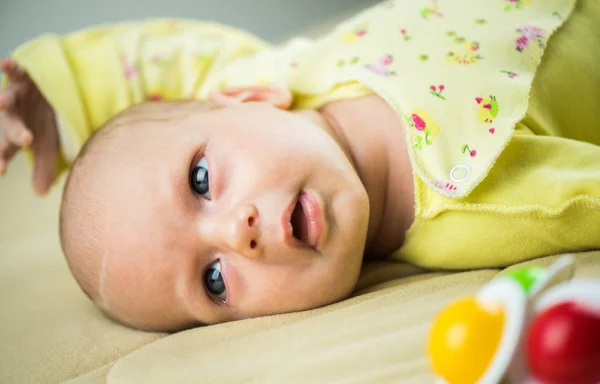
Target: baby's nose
(240,230)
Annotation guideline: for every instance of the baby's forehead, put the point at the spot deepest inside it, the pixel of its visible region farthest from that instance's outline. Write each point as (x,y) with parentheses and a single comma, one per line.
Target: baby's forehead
(157,113)
(145,127)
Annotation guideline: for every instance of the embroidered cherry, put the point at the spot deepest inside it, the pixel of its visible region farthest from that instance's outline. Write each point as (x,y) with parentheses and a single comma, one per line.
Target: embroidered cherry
(437,91)
(487,106)
(361,32)
(563,345)
(472,152)
(478,100)
(492,130)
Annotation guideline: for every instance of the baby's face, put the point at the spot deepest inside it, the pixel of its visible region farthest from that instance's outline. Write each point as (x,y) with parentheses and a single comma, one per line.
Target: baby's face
(228,214)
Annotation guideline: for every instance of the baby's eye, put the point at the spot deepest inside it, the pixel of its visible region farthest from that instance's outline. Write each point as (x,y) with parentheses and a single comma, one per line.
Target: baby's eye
(199,178)
(214,283)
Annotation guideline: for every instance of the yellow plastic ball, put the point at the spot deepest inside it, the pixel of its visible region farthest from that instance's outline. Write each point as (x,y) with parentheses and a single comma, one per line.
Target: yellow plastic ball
(464,339)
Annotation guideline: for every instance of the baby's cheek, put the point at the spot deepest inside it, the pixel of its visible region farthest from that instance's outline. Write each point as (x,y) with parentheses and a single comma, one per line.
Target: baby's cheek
(342,280)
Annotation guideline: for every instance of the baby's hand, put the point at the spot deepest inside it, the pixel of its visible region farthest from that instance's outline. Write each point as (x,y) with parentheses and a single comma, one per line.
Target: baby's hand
(27,121)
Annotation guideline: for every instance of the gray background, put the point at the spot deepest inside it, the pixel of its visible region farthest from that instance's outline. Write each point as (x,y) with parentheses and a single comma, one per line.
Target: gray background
(274,20)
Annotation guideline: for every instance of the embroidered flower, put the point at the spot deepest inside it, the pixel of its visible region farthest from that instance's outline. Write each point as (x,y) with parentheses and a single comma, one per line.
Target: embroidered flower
(433,9)
(462,51)
(446,186)
(488,109)
(419,124)
(355,34)
(405,35)
(426,126)
(382,67)
(129,70)
(511,75)
(527,34)
(516,4)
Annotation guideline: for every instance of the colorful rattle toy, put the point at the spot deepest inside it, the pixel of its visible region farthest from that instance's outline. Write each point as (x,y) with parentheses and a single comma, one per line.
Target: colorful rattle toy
(531,325)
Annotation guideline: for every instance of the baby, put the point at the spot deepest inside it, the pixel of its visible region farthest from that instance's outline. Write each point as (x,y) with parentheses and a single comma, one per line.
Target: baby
(215,178)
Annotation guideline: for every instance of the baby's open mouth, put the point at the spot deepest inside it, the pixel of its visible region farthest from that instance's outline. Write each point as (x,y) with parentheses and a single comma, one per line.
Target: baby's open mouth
(299,224)
(306,220)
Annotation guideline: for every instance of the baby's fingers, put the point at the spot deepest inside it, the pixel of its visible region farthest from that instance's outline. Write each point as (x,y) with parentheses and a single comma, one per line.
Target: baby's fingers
(7,151)
(13,71)
(7,99)
(15,131)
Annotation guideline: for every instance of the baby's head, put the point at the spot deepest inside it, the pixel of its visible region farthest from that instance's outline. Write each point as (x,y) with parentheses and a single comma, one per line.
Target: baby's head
(177,214)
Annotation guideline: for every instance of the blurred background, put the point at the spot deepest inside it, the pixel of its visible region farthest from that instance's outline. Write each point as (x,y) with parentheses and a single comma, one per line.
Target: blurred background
(273,20)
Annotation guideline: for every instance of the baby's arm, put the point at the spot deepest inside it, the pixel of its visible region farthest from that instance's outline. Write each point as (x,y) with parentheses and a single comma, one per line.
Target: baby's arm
(87,77)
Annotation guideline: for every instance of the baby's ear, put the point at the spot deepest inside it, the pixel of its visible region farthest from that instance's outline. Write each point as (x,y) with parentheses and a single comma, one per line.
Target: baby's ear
(278,95)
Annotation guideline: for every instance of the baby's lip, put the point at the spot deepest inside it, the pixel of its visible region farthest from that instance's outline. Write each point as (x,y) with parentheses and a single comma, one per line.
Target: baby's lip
(315,223)
(286,223)
(313,210)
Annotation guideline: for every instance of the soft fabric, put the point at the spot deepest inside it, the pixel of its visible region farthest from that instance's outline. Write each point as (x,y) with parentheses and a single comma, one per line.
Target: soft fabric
(542,196)
(51,333)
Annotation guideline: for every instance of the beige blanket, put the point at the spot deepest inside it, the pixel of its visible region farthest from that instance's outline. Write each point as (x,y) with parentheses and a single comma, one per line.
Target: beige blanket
(49,332)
